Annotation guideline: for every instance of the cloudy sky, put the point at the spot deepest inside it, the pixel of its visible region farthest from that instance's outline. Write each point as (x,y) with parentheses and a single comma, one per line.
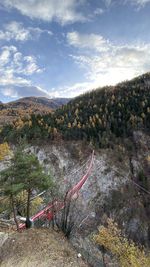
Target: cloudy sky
(62,48)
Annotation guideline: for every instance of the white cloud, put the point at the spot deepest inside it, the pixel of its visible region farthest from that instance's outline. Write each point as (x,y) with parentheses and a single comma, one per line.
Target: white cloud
(13,64)
(5,54)
(98,11)
(104,66)
(15,70)
(107,64)
(48,10)
(139,3)
(36,32)
(108,2)
(9,92)
(16,31)
(8,79)
(31,66)
(71,91)
(88,41)
(115,65)
(23,91)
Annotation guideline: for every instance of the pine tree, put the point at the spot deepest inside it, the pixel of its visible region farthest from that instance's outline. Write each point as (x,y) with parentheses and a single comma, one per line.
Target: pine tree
(10,187)
(25,173)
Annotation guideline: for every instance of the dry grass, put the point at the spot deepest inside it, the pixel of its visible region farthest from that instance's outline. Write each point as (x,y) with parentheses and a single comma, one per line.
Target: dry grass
(38,248)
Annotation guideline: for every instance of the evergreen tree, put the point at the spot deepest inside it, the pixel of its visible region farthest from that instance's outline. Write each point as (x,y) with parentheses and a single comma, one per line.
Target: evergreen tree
(25,173)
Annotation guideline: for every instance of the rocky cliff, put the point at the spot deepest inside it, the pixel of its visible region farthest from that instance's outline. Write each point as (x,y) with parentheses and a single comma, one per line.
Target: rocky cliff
(117,187)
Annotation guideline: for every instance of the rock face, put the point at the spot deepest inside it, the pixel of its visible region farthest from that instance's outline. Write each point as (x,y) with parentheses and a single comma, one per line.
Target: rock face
(68,164)
(110,191)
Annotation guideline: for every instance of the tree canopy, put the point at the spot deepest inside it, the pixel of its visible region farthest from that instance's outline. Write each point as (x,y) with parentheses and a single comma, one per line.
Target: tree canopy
(126,251)
(100,116)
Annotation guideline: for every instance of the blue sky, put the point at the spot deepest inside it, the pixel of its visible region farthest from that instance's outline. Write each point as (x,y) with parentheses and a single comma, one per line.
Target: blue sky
(62,48)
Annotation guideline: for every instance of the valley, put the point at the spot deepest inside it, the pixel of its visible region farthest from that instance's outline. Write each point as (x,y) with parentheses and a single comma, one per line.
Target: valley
(74,133)
(114,122)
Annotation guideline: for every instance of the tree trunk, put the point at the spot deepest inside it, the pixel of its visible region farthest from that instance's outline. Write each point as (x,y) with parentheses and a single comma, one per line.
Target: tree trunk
(53,212)
(28,222)
(14,212)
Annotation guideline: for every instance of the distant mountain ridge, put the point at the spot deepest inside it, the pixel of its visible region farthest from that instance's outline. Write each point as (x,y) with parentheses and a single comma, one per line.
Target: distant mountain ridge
(27,106)
(52,103)
(100,116)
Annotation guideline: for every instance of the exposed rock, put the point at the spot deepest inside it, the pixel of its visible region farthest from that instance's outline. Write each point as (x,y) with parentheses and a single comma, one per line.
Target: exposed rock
(108,192)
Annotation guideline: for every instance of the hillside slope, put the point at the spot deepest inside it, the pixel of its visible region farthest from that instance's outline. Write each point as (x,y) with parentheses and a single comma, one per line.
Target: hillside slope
(28,105)
(100,116)
(41,101)
(38,247)
(111,191)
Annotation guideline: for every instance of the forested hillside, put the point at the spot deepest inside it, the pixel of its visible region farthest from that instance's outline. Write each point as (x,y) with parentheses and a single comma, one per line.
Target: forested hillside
(24,107)
(100,116)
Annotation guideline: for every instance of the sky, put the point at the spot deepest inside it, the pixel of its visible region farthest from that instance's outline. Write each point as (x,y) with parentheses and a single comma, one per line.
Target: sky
(63,48)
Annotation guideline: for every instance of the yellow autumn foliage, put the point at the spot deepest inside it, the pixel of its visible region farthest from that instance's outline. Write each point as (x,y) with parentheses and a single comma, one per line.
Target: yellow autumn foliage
(4,150)
(21,200)
(5,203)
(127,252)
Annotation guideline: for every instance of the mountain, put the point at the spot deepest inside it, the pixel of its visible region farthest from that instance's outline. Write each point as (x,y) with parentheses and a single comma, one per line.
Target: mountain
(101,116)
(110,191)
(115,121)
(44,102)
(28,105)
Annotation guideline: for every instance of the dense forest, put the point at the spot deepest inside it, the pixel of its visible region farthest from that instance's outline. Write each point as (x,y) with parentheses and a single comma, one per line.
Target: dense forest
(100,116)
